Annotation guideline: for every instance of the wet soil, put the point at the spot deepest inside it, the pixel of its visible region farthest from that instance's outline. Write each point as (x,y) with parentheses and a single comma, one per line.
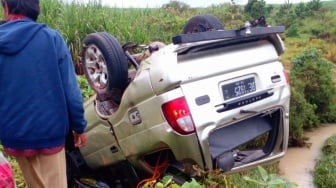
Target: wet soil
(298,163)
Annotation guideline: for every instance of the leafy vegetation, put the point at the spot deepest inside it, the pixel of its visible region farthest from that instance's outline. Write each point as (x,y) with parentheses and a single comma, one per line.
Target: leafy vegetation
(261,177)
(255,8)
(319,89)
(269,180)
(87,91)
(176,5)
(325,169)
(312,89)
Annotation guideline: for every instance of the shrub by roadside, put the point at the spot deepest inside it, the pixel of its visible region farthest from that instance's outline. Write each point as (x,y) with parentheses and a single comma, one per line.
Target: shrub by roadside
(325,169)
(312,93)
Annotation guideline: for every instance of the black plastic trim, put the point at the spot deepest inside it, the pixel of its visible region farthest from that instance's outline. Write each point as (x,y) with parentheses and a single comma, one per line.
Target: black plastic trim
(227,34)
(244,101)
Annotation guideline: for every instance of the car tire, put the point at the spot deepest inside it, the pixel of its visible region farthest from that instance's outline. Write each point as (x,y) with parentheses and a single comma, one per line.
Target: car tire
(202,23)
(104,63)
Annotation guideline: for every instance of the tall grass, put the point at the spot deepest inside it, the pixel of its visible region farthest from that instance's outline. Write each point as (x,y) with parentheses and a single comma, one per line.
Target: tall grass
(75,20)
(140,25)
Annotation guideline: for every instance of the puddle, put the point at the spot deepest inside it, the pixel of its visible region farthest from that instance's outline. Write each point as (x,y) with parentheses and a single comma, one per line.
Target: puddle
(298,163)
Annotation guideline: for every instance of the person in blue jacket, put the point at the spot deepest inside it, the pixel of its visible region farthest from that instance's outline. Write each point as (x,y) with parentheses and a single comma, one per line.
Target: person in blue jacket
(40,100)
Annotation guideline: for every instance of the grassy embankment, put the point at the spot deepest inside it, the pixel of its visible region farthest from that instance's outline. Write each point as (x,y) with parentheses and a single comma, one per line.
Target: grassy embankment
(325,169)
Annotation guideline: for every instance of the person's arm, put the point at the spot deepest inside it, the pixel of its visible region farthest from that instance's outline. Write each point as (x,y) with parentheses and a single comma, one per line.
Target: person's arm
(73,95)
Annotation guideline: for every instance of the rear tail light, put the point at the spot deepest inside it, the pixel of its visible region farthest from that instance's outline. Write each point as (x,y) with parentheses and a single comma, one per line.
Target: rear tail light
(286,76)
(178,116)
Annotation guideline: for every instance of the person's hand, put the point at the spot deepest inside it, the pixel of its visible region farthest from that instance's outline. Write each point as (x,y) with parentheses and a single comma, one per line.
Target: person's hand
(79,139)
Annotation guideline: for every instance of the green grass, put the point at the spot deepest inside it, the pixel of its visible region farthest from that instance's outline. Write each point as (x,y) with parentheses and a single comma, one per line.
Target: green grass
(325,169)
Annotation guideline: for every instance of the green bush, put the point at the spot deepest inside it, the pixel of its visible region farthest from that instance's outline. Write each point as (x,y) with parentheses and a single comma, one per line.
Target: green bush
(329,146)
(319,89)
(292,31)
(325,169)
(302,114)
(312,92)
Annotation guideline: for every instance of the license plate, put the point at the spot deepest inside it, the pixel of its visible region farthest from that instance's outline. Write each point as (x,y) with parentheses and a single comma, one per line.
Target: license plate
(238,88)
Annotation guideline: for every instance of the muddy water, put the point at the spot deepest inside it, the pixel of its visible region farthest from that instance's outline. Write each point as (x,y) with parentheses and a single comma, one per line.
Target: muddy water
(298,163)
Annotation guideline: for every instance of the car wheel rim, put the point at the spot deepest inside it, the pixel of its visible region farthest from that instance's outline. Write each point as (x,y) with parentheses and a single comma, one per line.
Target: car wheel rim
(96,67)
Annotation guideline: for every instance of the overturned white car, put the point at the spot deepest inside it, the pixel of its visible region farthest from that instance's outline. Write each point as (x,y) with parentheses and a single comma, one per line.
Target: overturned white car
(212,99)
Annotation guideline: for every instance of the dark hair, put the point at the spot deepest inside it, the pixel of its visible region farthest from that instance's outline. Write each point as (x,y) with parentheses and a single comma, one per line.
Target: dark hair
(29,8)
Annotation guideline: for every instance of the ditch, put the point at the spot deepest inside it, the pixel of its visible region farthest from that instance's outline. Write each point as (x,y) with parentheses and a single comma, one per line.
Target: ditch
(298,163)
